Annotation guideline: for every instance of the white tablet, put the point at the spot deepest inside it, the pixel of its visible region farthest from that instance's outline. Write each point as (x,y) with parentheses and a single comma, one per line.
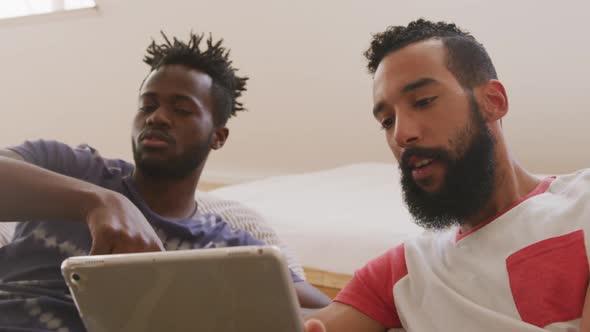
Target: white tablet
(227,290)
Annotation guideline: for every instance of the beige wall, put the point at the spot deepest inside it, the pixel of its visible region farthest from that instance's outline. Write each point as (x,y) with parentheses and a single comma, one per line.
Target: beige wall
(75,77)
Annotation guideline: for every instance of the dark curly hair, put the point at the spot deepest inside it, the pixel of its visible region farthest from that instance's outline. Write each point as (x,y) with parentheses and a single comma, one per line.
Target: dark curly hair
(213,60)
(467,59)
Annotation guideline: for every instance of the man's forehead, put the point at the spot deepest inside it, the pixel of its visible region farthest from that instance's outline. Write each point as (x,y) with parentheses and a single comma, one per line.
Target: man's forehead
(419,59)
(425,59)
(178,77)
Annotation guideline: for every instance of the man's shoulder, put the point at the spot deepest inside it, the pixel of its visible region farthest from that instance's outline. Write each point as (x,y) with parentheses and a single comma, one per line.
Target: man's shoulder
(56,154)
(577,181)
(82,148)
(211,223)
(110,163)
(236,214)
(214,227)
(413,248)
(581,174)
(390,265)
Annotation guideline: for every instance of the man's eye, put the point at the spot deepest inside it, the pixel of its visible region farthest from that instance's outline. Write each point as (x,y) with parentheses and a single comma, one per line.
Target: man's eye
(183,111)
(387,123)
(421,103)
(147,109)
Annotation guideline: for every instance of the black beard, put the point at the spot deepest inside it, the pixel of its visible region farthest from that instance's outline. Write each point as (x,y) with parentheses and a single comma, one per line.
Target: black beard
(468,183)
(173,169)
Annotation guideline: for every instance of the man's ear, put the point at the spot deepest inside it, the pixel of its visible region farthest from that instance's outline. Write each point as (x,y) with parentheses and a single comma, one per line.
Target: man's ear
(219,137)
(494,101)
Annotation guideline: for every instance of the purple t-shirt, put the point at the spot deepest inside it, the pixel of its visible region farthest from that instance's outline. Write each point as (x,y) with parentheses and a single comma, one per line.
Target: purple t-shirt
(33,294)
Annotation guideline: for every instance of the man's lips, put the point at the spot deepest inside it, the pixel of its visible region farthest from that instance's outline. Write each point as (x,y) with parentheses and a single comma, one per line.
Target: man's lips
(415,162)
(153,138)
(424,163)
(154,142)
(424,169)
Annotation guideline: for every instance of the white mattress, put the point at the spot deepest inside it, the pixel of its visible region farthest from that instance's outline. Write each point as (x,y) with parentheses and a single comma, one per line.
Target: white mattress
(335,220)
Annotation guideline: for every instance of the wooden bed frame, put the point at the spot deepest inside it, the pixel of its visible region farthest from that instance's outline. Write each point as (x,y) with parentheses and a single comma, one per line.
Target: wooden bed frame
(328,282)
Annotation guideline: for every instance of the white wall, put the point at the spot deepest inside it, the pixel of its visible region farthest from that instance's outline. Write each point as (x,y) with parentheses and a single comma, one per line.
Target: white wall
(75,77)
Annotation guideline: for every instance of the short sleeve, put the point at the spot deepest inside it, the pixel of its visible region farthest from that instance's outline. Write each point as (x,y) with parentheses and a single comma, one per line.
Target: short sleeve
(60,158)
(371,289)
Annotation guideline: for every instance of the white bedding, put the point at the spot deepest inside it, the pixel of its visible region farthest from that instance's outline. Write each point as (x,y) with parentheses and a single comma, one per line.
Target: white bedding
(334,220)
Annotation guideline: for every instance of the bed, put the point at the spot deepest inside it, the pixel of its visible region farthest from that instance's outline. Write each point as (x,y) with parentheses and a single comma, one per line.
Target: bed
(334,220)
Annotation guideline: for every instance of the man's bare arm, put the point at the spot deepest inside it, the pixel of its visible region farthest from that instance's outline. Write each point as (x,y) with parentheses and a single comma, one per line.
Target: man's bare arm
(10,154)
(310,297)
(338,317)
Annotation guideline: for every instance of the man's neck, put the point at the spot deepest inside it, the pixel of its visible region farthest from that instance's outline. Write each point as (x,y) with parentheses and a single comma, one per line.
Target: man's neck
(512,183)
(170,198)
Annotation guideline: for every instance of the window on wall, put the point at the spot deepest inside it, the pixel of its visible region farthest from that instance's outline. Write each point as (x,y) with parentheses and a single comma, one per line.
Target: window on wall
(19,8)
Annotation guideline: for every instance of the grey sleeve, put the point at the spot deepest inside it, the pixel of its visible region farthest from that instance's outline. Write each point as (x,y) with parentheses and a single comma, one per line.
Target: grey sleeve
(79,162)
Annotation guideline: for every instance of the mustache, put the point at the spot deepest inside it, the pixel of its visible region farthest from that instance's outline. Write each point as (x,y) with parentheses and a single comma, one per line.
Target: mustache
(426,153)
(155,133)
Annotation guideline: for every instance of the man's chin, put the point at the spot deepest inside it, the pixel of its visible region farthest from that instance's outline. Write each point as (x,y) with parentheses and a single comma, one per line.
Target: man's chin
(152,162)
(430,185)
(156,157)
(154,152)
